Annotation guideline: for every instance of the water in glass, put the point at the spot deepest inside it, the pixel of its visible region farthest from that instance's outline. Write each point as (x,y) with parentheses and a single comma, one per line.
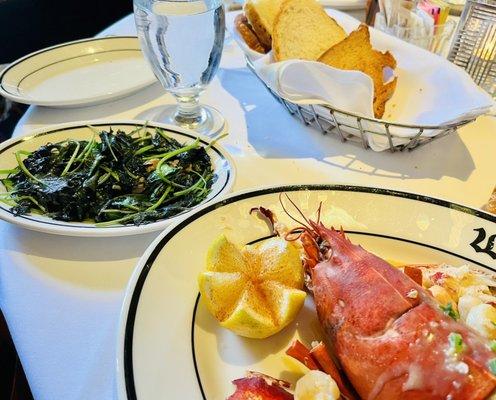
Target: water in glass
(182,40)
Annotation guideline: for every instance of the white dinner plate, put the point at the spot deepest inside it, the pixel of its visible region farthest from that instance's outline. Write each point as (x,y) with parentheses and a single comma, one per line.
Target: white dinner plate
(170,347)
(222,165)
(80,73)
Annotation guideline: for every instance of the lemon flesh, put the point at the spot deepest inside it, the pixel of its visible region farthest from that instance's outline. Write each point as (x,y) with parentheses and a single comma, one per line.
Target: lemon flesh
(254,291)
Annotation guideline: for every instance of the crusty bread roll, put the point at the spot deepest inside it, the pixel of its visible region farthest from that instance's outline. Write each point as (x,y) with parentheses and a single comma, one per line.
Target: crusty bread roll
(261,15)
(248,34)
(303,30)
(356,53)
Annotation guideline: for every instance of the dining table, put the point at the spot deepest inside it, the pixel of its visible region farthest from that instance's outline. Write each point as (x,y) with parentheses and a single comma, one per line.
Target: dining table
(62,296)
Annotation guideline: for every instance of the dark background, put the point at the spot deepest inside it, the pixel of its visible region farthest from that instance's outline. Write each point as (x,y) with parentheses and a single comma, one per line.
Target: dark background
(27,26)
(30,25)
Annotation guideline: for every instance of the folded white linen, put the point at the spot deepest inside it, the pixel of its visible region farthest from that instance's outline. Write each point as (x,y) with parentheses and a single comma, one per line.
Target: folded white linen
(430,91)
(311,82)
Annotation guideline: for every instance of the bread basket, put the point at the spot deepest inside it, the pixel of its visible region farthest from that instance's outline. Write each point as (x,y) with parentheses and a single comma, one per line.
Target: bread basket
(350,127)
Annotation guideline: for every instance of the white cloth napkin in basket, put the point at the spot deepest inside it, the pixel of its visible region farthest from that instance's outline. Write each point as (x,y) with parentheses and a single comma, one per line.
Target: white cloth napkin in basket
(430,91)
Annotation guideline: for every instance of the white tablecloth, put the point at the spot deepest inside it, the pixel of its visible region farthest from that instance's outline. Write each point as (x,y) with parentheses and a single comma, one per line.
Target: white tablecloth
(61,296)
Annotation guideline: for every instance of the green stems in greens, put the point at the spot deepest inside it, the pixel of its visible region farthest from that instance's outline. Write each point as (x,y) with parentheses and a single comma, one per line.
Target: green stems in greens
(71,160)
(171,183)
(171,154)
(139,129)
(213,142)
(167,156)
(110,147)
(8,200)
(144,149)
(86,149)
(116,210)
(161,132)
(191,188)
(142,139)
(114,174)
(116,221)
(160,201)
(9,171)
(23,167)
(130,173)
(84,154)
(103,179)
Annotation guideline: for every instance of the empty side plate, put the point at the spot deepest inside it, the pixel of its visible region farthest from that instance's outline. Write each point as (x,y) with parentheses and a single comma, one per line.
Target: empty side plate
(80,73)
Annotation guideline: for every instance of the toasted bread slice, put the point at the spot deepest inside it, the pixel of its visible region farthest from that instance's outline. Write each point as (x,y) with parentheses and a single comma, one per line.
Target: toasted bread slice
(491,204)
(356,53)
(382,95)
(261,15)
(248,34)
(303,30)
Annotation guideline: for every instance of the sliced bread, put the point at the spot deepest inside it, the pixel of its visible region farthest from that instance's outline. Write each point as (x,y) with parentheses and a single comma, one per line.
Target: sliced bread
(356,53)
(261,15)
(303,30)
(248,34)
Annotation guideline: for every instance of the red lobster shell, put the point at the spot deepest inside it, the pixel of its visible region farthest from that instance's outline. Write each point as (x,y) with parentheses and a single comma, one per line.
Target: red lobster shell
(391,338)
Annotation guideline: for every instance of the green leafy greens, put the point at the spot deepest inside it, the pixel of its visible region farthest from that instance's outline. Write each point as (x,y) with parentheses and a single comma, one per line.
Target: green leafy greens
(121,178)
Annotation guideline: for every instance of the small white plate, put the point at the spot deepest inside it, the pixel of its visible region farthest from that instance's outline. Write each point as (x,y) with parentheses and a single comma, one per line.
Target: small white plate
(80,73)
(170,347)
(222,163)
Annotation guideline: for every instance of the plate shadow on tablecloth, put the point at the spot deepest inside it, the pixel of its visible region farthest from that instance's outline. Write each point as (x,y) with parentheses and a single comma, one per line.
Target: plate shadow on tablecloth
(46,115)
(274,133)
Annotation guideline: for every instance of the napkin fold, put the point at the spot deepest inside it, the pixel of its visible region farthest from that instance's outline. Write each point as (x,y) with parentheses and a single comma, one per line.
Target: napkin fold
(311,82)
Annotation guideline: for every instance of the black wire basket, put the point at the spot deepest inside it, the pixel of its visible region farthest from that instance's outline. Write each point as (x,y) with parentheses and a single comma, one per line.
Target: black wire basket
(355,128)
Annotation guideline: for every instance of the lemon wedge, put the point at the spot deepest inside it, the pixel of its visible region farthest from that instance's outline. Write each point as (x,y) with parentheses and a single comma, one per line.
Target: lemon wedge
(254,291)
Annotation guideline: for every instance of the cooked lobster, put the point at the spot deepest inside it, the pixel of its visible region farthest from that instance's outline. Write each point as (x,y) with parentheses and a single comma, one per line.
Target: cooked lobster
(257,386)
(390,337)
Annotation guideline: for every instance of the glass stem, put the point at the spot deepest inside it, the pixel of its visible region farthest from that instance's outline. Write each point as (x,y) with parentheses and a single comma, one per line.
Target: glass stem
(189,112)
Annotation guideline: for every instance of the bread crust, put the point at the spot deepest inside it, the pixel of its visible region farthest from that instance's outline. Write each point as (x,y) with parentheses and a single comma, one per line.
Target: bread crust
(247,33)
(356,53)
(258,27)
(384,94)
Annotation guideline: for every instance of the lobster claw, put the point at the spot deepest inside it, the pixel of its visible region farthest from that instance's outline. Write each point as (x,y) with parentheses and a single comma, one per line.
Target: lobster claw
(260,386)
